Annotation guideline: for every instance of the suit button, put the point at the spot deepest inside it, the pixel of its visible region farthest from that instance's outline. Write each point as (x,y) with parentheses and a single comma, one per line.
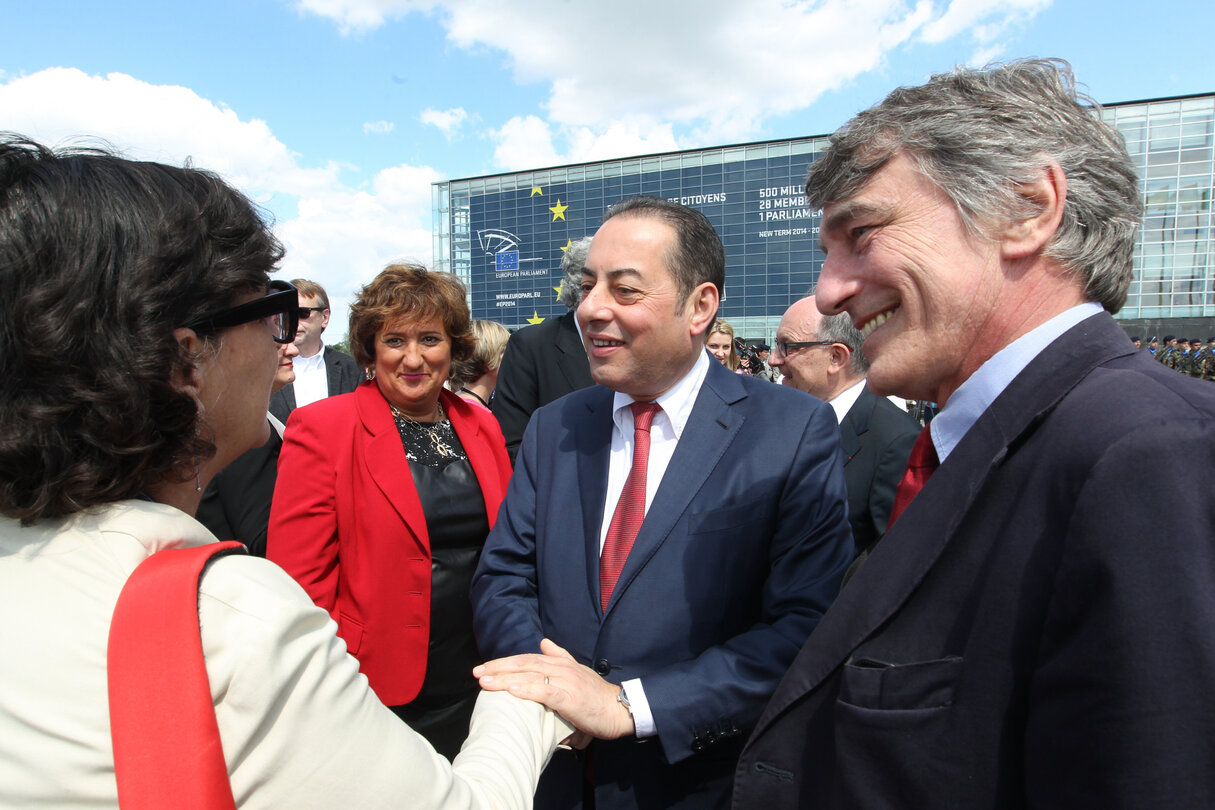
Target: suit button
(603,667)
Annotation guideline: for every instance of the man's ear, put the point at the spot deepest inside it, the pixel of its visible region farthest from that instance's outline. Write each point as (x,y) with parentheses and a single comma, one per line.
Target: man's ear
(324,319)
(188,378)
(704,301)
(1047,194)
(839,355)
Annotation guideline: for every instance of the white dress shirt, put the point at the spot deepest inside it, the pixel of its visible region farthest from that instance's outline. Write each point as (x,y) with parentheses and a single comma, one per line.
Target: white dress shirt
(311,379)
(843,402)
(975,396)
(665,431)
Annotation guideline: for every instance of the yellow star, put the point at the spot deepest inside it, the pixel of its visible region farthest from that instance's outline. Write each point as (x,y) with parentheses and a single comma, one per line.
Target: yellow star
(558,289)
(535,318)
(537,190)
(569,243)
(558,210)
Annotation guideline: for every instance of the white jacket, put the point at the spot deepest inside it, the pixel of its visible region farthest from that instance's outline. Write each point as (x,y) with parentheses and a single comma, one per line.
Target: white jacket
(300,727)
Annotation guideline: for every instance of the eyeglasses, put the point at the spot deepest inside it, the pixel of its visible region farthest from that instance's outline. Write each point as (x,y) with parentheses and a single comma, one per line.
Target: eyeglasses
(786,346)
(280,308)
(306,312)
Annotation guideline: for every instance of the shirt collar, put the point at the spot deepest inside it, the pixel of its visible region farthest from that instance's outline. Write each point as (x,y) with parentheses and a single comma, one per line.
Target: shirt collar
(315,361)
(981,389)
(844,400)
(676,403)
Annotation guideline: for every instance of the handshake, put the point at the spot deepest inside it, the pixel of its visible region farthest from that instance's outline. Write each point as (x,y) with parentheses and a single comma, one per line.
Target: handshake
(553,678)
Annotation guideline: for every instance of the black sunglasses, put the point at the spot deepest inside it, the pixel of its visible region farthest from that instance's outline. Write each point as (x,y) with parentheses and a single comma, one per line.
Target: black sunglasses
(280,307)
(306,312)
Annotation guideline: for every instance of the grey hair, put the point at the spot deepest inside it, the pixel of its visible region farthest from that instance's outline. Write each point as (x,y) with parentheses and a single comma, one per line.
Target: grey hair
(980,134)
(571,270)
(839,329)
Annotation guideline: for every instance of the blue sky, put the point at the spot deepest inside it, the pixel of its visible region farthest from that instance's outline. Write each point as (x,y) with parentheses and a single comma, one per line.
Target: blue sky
(337,115)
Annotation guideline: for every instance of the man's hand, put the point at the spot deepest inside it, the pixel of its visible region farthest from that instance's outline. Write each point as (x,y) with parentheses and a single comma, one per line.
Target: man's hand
(574,691)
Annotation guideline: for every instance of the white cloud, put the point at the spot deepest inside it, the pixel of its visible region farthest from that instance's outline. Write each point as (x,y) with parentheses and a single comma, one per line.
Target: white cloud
(524,141)
(166,123)
(340,237)
(446,121)
(356,16)
(343,238)
(527,142)
(378,127)
(984,20)
(712,71)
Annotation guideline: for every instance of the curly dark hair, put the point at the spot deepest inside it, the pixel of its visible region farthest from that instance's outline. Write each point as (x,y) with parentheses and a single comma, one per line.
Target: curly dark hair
(410,291)
(101,258)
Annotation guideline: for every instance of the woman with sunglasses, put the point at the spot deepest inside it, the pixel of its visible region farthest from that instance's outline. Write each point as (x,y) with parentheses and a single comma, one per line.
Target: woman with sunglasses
(138,344)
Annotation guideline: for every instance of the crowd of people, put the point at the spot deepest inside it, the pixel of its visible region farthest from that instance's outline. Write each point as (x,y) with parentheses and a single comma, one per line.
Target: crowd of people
(604,562)
(1193,357)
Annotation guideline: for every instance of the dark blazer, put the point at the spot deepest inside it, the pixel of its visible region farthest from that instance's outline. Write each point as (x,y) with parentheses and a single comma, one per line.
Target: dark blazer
(876,438)
(348,526)
(542,363)
(740,553)
(341,370)
(1035,630)
(236,504)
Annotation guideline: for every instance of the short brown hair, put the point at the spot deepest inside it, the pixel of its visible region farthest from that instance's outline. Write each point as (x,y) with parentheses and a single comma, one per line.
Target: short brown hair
(312,290)
(409,291)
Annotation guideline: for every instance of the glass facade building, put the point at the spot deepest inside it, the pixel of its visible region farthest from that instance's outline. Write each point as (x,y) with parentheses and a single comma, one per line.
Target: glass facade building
(504,234)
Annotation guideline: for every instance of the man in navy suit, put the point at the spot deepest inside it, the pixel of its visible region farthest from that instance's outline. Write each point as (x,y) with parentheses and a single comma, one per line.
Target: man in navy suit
(741,549)
(1033,630)
(822,356)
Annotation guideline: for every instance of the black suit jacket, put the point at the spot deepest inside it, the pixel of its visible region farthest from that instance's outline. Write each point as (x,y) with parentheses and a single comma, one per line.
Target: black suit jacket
(542,363)
(1034,631)
(236,504)
(876,438)
(341,370)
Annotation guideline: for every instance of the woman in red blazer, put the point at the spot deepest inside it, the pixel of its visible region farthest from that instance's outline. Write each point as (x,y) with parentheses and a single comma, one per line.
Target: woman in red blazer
(385,496)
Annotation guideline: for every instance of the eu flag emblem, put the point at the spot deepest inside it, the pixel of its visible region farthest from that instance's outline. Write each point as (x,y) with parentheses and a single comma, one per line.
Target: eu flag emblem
(506,260)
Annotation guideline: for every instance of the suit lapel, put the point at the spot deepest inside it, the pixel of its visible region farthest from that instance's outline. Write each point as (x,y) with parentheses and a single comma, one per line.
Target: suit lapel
(594,440)
(711,428)
(333,372)
(912,546)
(854,424)
(386,462)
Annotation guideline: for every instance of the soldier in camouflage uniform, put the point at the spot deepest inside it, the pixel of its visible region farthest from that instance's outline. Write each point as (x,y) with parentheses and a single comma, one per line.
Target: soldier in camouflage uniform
(1204,363)
(1167,353)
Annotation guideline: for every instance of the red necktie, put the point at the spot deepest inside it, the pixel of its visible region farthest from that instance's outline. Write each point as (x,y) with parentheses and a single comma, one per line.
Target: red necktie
(630,509)
(922,464)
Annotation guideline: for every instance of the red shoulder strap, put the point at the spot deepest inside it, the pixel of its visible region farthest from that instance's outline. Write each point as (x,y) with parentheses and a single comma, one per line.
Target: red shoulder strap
(167,751)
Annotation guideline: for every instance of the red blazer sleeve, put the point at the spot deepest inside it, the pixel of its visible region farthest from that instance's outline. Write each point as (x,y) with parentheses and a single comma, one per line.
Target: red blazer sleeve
(303,533)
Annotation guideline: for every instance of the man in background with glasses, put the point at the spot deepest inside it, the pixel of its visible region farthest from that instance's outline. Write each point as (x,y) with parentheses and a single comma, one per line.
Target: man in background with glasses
(822,356)
(320,371)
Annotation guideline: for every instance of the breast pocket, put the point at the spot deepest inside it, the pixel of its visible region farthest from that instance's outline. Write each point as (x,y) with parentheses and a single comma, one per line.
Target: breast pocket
(894,726)
(881,686)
